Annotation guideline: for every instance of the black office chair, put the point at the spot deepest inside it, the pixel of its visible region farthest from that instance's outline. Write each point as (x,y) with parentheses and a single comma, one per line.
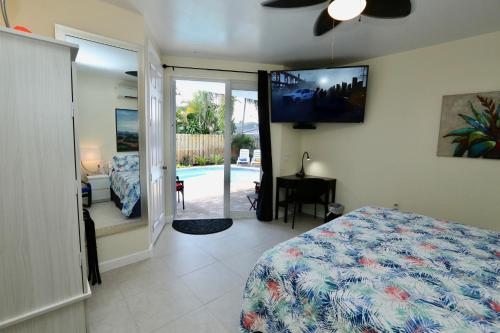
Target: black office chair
(309,191)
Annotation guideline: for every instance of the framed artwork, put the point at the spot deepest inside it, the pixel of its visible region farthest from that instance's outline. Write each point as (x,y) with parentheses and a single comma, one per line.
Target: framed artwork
(127,130)
(470,126)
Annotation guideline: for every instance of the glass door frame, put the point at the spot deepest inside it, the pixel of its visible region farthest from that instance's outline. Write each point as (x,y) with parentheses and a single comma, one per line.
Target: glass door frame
(230,85)
(235,85)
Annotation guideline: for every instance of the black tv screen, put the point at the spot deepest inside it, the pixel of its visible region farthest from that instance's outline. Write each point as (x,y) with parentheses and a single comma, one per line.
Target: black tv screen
(319,95)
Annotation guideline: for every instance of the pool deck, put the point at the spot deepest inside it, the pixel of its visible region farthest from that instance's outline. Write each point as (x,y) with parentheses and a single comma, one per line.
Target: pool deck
(204,196)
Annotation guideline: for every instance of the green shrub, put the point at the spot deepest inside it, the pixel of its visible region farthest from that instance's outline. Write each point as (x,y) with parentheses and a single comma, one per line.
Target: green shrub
(185,161)
(217,159)
(200,160)
(241,141)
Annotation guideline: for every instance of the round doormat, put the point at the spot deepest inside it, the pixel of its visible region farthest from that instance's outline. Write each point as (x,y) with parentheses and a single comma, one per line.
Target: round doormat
(202,227)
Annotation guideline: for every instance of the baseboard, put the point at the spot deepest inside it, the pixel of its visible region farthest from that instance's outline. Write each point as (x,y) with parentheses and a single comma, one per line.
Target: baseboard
(124,261)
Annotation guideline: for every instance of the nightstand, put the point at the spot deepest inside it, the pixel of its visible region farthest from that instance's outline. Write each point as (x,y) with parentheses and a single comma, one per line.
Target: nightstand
(100,187)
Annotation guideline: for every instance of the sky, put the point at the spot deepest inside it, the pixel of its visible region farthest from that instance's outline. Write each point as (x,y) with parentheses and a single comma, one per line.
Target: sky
(325,78)
(128,120)
(187,89)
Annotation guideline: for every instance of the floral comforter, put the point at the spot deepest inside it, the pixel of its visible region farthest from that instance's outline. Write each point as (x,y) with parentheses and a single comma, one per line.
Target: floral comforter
(127,187)
(378,270)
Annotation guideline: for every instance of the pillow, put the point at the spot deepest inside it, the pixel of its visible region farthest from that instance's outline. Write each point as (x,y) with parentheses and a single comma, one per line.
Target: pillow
(126,162)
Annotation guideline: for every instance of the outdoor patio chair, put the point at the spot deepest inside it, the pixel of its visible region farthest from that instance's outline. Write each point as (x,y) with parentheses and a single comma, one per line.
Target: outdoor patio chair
(244,157)
(254,197)
(179,188)
(256,157)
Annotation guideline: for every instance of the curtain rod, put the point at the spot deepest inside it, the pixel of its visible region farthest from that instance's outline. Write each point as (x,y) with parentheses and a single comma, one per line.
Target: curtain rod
(165,66)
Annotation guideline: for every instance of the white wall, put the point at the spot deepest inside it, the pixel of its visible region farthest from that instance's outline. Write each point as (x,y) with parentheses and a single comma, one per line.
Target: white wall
(98,97)
(391,158)
(285,143)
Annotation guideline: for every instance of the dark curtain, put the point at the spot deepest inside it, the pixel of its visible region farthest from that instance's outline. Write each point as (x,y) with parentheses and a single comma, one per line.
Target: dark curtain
(265,201)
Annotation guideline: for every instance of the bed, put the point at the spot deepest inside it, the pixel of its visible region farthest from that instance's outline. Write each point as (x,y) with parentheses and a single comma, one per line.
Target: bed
(377,270)
(125,184)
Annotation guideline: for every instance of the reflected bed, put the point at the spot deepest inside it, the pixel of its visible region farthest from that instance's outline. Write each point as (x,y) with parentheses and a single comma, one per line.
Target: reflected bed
(125,184)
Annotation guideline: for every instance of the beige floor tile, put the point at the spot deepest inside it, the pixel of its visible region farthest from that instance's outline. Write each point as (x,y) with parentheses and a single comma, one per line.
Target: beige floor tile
(227,309)
(187,261)
(212,281)
(146,274)
(166,293)
(200,320)
(104,303)
(158,306)
(114,318)
(242,263)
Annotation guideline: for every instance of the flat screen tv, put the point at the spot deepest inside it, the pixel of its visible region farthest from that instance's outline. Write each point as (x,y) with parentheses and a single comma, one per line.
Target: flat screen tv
(319,95)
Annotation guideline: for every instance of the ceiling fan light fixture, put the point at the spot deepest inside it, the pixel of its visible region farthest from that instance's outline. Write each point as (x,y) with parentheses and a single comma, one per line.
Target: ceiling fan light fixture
(345,10)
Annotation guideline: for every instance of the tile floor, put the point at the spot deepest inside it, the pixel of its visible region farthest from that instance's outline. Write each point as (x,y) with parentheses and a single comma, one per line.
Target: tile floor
(191,284)
(106,214)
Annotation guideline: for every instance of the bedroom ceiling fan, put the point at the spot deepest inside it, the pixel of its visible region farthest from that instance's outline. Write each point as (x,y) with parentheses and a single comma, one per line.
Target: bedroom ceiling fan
(344,10)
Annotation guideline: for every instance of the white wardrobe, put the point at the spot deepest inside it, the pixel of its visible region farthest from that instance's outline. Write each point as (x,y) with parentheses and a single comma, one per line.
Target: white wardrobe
(42,279)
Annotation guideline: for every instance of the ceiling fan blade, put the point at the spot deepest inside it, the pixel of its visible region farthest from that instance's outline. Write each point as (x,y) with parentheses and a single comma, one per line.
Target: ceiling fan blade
(387,8)
(324,23)
(291,3)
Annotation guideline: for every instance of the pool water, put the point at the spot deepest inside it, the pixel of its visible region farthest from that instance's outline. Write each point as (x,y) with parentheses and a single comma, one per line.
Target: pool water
(237,173)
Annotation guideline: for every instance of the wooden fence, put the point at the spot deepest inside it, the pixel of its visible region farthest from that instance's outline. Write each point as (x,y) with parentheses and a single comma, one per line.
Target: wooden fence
(190,146)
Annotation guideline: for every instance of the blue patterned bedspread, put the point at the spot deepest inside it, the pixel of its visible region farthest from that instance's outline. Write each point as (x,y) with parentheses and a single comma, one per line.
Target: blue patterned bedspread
(378,270)
(127,187)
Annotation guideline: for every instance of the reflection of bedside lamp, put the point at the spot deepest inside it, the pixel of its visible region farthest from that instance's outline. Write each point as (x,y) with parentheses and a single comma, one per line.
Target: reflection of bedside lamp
(90,157)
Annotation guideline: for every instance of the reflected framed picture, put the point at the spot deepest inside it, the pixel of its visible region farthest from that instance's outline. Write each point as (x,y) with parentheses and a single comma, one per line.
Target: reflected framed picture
(127,130)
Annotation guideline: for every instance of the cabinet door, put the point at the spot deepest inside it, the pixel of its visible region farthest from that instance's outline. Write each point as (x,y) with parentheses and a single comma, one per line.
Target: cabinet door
(39,224)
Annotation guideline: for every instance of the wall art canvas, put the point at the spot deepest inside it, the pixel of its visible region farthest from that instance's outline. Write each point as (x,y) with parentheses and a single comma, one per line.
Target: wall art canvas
(127,130)
(470,126)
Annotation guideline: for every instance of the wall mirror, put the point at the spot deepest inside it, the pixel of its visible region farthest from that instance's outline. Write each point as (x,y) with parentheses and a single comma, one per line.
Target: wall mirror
(109,129)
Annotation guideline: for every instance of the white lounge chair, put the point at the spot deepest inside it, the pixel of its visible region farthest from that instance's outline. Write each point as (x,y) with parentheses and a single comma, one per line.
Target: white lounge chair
(244,157)
(256,157)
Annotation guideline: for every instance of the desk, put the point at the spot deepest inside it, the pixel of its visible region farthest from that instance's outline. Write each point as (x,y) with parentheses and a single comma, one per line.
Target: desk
(290,182)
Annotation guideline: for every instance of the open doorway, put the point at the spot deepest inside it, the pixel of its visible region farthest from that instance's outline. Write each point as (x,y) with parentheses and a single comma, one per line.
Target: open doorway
(216,148)
(200,110)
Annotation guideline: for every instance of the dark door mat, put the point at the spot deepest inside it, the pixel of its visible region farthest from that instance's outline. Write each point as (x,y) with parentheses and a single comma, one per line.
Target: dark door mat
(202,226)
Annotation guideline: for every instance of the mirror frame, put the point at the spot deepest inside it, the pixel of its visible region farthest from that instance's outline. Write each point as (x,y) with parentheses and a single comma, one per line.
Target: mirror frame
(61,32)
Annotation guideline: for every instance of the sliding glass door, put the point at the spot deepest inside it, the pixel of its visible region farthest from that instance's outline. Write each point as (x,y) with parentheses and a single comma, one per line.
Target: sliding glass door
(245,150)
(215,147)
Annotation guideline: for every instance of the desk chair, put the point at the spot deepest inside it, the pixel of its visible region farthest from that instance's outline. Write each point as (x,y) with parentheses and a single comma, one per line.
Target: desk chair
(308,191)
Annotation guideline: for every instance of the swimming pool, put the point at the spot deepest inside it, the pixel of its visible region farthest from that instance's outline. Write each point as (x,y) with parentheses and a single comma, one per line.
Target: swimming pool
(217,171)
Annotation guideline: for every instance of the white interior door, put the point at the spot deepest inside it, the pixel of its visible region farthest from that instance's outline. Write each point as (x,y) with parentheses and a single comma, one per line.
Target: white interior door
(156,198)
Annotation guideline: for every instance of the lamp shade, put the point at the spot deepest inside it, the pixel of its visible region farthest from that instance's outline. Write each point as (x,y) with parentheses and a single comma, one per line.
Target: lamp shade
(90,154)
(345,10)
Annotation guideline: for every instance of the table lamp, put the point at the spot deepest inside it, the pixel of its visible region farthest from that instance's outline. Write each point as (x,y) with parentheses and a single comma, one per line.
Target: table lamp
(301,173)
(91,156)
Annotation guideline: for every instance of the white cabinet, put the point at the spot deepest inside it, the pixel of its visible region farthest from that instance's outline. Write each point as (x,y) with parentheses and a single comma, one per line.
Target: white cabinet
(42,279)
(100,187)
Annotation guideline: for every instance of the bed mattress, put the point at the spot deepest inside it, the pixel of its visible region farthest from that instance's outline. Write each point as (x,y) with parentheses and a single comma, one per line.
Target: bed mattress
(377,270)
